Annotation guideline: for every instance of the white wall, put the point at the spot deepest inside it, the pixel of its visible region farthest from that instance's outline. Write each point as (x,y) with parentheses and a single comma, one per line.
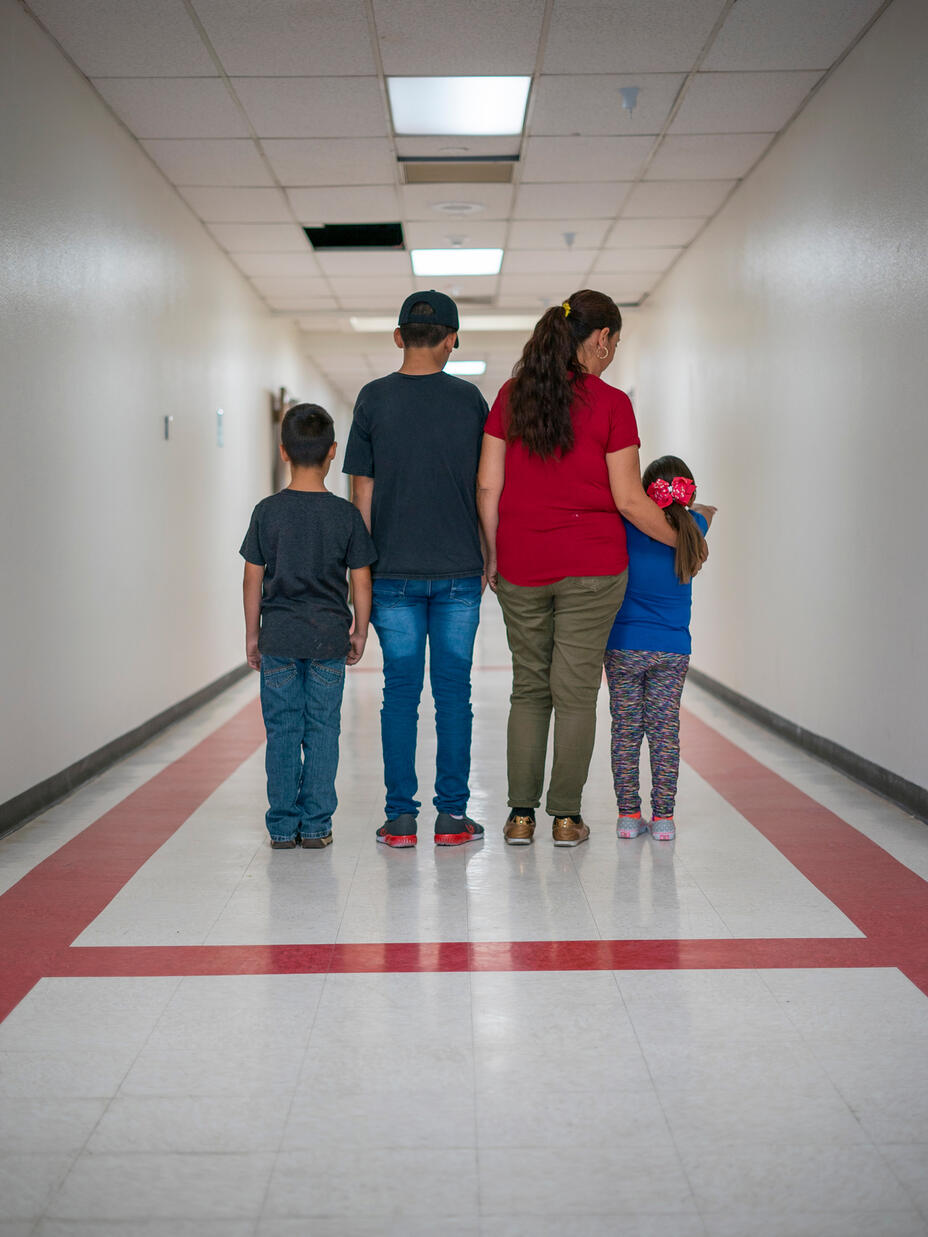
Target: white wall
(785,358)
(119,551)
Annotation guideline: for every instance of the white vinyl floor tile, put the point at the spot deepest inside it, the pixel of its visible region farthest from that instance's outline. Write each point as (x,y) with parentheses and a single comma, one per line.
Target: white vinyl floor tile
(788,1102)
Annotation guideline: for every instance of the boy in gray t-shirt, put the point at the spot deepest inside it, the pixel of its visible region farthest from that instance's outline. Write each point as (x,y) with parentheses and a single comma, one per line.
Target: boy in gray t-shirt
(299,547)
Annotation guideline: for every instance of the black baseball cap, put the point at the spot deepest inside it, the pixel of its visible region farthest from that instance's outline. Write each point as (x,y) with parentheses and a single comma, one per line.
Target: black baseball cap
(445,312)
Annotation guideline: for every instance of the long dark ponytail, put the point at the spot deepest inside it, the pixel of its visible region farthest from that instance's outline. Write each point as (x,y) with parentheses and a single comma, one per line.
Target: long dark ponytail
(542,387)
(689,539)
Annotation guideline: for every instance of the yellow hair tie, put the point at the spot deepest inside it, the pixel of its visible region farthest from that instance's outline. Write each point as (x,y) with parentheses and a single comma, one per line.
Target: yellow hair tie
(566,308)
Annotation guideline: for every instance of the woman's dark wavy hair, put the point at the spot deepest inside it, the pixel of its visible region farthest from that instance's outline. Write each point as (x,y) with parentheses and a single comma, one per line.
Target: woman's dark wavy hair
(542,387)
(689,539)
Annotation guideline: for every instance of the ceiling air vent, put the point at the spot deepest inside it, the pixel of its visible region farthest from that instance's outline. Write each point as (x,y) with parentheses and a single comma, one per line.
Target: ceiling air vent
(473,170)
(357,236)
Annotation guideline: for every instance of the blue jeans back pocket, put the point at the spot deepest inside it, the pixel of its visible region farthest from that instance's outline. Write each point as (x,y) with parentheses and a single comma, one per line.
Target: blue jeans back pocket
(466,592)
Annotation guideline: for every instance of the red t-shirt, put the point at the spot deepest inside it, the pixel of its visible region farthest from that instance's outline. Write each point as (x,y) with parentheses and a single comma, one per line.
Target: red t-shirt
(557,517)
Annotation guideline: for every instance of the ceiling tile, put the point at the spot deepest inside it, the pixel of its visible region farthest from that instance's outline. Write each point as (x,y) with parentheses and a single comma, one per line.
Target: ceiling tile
(260,237)
(530,303)
(629,286)
(629,232)
(420,201)
(590,103)
(741,102)
(451,146)
(330,322)
(475,234)
(298,304)
(367,263)
(564,261)
(548,284)
(206,161)
(627,293)
(287,38)
(313,106)
(679,199)
(791,34)
(289,264)
(461,286)
(379,285)
(628,36)
(127,38)
(359,205)
(173,107)
(553,159)
(232,205)
(637,259)
(721,155)
(564,201)
(549,234)
(480,37)
(331,161)
(283,287)
(388,301)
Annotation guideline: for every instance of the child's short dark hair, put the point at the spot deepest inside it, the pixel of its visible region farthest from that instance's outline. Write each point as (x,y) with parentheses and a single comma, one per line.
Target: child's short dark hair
(424,334)
(306,434)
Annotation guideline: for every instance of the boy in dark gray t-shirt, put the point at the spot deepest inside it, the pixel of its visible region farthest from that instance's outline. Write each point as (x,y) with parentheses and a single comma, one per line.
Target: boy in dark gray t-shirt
(298,626)
(412,454)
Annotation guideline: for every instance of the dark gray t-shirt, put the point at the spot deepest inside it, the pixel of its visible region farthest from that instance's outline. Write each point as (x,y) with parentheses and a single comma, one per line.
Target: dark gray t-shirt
(419,437)
(306,540)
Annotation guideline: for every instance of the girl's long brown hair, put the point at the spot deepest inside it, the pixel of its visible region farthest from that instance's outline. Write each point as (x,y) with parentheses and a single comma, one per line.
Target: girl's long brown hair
(542,387)
(689,538)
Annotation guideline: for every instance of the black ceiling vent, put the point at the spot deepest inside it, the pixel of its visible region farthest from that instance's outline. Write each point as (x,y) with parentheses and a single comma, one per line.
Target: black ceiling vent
(357,236)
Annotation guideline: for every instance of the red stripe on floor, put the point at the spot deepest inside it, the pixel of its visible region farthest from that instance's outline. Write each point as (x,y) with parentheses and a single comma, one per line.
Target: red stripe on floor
(723,954)
(879,894)
(57,900)
(64,893)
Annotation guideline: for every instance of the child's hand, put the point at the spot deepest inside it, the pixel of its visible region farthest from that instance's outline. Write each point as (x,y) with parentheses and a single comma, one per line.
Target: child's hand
(704,510)
(357,648)
(252,656)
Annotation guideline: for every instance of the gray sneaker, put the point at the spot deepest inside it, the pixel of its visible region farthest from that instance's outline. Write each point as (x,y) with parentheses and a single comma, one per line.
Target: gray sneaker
(400,831)
(663,829)
(630,826)
(456,830)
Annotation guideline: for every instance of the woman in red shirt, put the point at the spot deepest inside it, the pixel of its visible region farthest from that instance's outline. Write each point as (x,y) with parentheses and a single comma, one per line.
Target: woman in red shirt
(558,467)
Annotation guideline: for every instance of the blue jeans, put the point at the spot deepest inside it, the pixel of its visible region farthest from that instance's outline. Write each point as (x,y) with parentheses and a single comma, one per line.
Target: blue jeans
(405,613)
(301,701)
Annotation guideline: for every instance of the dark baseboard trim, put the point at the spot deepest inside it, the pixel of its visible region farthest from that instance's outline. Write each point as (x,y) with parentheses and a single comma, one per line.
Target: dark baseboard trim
(907,795)
(17,811)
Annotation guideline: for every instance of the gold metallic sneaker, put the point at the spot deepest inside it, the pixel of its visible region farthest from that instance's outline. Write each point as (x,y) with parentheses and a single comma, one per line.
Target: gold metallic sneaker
(568,832)
(519,830)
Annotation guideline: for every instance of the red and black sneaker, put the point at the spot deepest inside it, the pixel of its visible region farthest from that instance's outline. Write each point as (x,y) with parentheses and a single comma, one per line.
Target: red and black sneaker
(401,831)
(456,830)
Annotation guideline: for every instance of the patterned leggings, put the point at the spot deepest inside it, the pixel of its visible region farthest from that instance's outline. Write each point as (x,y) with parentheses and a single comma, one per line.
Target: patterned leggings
(644,699)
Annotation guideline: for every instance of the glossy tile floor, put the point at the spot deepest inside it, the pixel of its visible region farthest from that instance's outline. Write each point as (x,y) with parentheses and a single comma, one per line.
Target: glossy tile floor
(723,1036)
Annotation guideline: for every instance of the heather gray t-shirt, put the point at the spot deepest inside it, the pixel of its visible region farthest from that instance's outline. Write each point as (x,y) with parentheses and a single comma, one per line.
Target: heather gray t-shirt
(419,437)
(306,540)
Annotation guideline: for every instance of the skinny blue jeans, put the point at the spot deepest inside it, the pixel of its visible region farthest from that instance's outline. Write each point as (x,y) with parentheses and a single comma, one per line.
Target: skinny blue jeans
(301,700)
(406,614)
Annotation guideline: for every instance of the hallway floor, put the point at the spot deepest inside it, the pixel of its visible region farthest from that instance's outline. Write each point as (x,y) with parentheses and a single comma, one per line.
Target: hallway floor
(724,1036)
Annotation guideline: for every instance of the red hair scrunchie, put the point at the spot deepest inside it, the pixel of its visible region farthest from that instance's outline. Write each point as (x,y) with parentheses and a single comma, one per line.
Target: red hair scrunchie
(680,490)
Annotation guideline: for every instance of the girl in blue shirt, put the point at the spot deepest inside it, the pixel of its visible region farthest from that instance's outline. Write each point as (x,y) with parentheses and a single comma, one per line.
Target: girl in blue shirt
(647,654)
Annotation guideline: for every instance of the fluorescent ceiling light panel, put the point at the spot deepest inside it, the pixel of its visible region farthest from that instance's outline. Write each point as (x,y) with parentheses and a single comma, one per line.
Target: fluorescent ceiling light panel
(470,106)
(466,369)
(456,261)
(469,322)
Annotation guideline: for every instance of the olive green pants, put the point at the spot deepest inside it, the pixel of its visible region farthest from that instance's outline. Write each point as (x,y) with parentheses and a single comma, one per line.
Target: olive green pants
(557,634)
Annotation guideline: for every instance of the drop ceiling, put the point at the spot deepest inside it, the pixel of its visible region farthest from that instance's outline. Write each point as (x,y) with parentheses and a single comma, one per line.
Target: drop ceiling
(271,116)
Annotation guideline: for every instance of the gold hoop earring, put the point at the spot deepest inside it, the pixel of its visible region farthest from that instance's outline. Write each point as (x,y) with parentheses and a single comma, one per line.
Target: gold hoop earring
(602,353)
